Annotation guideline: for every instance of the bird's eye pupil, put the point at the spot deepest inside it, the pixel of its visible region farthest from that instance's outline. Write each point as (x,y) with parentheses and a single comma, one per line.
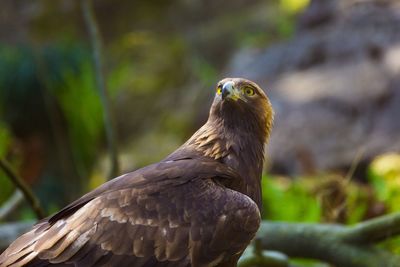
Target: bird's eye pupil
(219,90)
(249,91)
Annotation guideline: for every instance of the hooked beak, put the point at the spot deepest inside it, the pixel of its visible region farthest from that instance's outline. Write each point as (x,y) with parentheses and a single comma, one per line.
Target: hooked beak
(230,91)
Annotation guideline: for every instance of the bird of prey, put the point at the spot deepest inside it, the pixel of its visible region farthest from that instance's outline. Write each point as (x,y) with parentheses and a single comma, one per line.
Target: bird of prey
(199,207)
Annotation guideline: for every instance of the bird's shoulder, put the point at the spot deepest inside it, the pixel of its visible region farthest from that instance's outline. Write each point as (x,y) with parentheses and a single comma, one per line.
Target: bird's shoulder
(176,211)
(155,178)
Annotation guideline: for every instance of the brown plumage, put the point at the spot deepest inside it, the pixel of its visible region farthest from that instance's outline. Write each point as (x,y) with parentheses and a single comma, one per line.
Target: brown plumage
(198,207)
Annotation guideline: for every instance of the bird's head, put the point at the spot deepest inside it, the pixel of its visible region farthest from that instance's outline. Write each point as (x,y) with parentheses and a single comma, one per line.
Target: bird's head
(243,105)
(239,124)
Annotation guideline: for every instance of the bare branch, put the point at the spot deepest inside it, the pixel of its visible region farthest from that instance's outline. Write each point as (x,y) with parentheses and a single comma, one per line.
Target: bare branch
(374,230)
(109,123)
(339,245)
(11,204)
(334,244)
(255,256)
(26,191)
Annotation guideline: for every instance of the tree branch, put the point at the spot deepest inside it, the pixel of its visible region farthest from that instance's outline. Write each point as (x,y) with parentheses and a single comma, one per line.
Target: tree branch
(255,256)
(26,191)
(374,230)
(11,204)
(109,123)
(339,245)
(335,244)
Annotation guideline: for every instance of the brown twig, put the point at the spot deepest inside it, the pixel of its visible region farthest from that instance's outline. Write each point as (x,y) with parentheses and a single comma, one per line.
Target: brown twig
(26,191)
(95,40)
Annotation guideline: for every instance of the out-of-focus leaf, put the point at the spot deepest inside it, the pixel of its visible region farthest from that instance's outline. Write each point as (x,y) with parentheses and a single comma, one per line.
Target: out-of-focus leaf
(294,6)
(356,203)
(6,187)
(5,138)
(27,214)
(384,175)
(288,200)
(96,179)
(81,106)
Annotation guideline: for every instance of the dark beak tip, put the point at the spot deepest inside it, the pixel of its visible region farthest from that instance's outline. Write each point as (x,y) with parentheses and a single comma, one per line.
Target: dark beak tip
(225,93)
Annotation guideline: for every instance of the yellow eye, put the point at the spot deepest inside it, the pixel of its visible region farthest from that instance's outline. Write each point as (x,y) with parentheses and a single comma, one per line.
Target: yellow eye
(219,90)
(248,91)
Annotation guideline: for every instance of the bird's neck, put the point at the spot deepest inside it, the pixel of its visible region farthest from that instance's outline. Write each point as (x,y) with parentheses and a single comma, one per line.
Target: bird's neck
(240,149)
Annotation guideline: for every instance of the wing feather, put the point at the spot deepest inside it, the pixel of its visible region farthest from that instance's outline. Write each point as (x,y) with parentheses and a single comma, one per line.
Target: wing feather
(181,217)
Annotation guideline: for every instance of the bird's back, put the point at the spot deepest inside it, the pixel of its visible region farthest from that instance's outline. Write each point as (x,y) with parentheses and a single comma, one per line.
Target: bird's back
(179,217)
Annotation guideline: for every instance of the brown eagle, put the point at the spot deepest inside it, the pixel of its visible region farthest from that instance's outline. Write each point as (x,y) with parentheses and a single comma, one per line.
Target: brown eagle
(198,207)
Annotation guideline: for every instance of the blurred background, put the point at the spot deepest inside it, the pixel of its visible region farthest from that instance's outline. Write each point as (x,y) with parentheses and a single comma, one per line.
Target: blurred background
(330,67)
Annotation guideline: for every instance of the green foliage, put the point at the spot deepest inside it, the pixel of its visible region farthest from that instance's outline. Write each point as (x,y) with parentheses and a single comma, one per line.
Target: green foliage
(49,92)
(6,187)
(286,200)
(357,203)
(322,198)
(293,6)
(153,64)
(81,105)
(206,72)
(17,77)
(384,176)
(285,26)
(336,199)
(5,139)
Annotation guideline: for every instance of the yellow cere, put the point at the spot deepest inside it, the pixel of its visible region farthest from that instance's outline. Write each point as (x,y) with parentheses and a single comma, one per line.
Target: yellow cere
(235,97)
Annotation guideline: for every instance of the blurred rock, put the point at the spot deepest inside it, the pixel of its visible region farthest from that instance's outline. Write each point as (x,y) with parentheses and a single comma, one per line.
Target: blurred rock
(335,87)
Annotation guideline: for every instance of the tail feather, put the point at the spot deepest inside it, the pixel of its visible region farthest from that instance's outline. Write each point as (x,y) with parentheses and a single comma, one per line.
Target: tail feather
(22,251)
(46,244)
(23,260)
